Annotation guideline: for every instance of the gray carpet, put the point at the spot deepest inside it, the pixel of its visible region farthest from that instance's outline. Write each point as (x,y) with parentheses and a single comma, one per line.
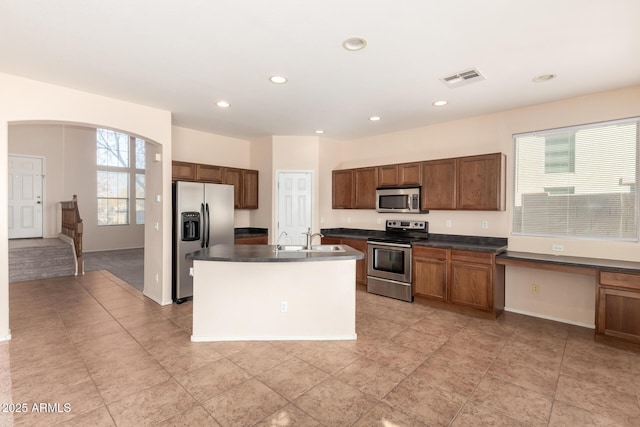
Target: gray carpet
(127,264)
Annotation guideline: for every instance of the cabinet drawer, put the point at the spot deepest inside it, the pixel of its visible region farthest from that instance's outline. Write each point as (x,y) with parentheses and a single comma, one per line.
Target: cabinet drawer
(471,256)
(433,253)
(621,280)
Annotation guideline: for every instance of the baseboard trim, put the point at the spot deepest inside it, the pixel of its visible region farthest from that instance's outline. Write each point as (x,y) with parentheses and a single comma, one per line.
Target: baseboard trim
(277,338)
(554,318)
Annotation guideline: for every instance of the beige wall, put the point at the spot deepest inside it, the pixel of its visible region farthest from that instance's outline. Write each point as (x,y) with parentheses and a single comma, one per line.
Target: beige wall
(28,100)
(46,141)
(262,160)
(70,158)
(488,134)
(296,153)
(201,147)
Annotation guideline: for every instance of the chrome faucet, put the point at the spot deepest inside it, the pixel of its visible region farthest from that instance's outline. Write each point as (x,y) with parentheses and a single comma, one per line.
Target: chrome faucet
(310,237)
(284,233)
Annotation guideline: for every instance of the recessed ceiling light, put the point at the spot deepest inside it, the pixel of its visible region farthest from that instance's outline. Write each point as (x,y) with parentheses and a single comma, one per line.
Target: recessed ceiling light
(440,103)
(319,131)
(278,79)
(354,43)
(223,104)
(544,78)
(374,118)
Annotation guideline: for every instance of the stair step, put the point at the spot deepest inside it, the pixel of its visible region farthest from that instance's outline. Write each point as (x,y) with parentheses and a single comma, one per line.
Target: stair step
(41,262)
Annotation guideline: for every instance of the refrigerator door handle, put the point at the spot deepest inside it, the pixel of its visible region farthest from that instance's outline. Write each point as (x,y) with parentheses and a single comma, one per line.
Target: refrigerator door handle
(203,225)
(208,234)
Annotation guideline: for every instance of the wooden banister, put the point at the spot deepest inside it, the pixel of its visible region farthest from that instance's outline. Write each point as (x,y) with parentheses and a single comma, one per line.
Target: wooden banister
(72,227)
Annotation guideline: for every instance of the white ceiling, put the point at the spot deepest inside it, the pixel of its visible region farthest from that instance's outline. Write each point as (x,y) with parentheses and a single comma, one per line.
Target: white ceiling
(184,56)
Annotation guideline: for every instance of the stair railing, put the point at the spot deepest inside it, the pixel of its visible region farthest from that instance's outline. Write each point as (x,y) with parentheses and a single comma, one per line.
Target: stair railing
(72,228)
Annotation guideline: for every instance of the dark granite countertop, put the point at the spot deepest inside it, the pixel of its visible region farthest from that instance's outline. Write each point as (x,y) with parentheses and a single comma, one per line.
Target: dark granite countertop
(266,253)
(241,232)
(445,241)
(596,263)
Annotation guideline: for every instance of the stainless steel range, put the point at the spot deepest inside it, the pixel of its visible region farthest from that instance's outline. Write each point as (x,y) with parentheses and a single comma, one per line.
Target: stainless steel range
(389,259)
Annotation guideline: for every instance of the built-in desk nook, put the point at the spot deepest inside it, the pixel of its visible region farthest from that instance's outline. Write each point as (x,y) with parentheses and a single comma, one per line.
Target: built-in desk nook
(617,311)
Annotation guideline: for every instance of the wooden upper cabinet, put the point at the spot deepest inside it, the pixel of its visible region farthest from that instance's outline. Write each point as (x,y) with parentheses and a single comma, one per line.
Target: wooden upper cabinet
(439,184)
(480,182)
(233,177)
(365,183)
(387,176)
(342,189)
(399,175)
(409,174)
(208,173)
(249,189)
(183,171)
(244,181)
(462,183)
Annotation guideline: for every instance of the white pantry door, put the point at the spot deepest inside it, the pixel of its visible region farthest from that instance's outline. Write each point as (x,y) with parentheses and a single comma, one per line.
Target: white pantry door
(25,197)
(295,196)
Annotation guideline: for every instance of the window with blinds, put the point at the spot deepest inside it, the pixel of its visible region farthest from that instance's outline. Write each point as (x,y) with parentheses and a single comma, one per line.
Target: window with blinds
(578,182)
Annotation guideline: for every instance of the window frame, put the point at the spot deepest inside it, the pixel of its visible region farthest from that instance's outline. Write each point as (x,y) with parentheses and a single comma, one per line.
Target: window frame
(132,188)
(574,129)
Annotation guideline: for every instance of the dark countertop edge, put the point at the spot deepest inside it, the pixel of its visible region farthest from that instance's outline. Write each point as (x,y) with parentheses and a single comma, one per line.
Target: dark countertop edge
(497,249)
(265,253)
(597,263)
(445,241)
(241,232)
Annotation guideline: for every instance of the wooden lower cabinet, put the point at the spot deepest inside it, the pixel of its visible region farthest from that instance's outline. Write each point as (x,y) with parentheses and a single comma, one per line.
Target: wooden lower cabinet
(259,240)
(618,305)
(360,245)
(430,272)
(471,284)
(462,278)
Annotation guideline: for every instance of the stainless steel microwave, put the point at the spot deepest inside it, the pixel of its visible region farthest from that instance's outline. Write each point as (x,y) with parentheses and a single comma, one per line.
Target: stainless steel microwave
(398,199)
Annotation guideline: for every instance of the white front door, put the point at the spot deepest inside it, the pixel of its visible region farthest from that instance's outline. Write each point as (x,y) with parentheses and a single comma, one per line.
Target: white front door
(25,197)
(295,195)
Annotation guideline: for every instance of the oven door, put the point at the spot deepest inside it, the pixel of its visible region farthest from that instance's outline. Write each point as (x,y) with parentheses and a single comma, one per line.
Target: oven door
(390,261)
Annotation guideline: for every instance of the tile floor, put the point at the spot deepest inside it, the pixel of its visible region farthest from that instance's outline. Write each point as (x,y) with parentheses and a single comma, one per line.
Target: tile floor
(101,352)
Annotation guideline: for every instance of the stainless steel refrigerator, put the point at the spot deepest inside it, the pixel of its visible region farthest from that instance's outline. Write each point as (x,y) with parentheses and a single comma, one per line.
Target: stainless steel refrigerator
(202,217)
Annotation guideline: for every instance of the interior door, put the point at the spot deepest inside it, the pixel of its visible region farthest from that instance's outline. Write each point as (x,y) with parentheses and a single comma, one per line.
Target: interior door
(25,197)
(295,195)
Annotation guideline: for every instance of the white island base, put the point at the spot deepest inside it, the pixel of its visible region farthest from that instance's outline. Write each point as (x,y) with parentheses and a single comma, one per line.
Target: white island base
(239,301)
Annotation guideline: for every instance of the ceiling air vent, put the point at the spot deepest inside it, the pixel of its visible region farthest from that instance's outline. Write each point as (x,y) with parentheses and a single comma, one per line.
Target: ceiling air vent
(463,78)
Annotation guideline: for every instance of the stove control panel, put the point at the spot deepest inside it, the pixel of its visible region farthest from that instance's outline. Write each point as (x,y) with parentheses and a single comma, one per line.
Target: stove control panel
(407,225)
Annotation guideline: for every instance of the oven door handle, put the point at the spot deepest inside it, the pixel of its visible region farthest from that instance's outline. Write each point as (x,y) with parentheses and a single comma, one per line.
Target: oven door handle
(395,245)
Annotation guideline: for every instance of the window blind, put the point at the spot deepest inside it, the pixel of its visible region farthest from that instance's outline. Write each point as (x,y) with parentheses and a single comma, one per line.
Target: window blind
(578,182)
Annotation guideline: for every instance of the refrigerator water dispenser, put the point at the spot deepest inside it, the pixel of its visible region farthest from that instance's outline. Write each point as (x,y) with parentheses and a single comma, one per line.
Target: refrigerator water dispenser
(190,226)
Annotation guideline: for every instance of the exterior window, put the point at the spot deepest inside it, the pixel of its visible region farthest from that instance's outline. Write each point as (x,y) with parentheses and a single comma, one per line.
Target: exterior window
(113,198)
(120,161)
(139,198)
(578,182)
(560,152)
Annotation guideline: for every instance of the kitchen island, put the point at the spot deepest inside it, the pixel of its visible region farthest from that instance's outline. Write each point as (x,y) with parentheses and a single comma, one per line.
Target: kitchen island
(253,292)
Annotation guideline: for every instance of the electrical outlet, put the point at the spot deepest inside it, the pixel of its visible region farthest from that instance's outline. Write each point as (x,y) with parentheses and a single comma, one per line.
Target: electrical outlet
(348,220)
(448,223)
(535,289)
(284,306)
(484,225)
(557,248)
